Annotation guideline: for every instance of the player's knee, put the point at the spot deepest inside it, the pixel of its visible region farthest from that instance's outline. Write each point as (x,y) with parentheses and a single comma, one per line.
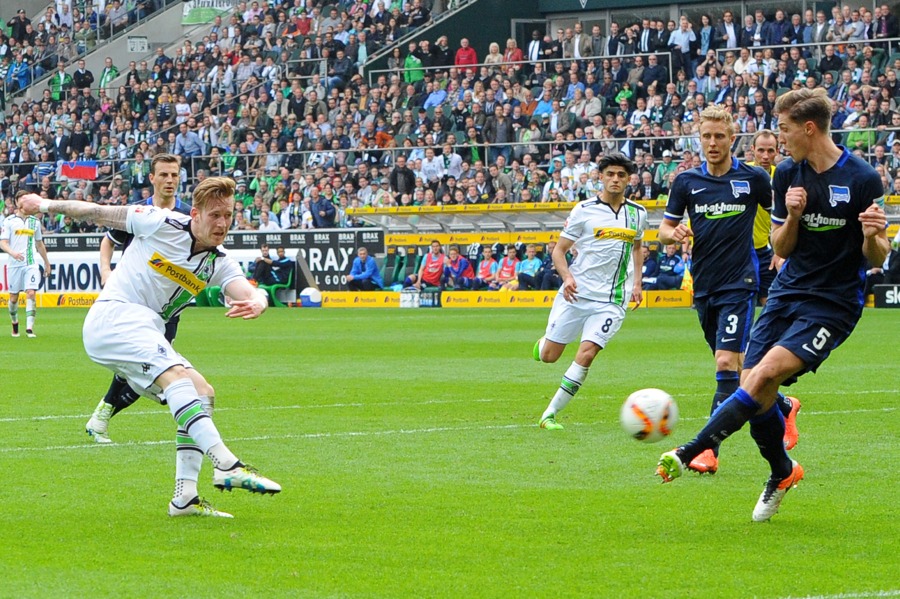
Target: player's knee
(727,361)
(586,354)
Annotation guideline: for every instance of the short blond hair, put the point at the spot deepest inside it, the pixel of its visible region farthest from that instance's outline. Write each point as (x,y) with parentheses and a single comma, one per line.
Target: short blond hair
(212,189)
(717,113)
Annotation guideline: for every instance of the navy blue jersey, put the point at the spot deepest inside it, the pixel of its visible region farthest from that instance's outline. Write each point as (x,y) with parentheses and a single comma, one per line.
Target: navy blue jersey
(828,260)
(123,238)
(722,211)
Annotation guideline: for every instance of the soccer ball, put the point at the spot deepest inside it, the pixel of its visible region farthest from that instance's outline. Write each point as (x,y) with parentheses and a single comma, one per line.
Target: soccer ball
(649,415)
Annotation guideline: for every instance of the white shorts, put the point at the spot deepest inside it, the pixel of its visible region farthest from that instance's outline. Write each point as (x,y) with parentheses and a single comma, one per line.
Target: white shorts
(596,322)
(129,339)
(23,278)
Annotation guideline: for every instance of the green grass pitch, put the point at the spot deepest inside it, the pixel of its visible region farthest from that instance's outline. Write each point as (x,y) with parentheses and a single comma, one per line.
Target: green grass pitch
(412,465)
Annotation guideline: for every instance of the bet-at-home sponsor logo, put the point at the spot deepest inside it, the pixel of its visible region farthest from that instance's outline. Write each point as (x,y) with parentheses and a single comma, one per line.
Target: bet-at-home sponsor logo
(720,210)
(819,222)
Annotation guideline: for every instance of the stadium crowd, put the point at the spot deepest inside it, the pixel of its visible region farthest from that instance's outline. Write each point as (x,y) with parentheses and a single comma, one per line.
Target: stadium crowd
(273,97)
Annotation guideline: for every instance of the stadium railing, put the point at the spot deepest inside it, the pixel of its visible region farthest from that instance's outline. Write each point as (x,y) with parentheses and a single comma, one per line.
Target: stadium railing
(373,74)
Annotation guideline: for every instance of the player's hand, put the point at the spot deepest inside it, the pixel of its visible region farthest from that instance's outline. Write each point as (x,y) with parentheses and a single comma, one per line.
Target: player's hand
(637,296)
(104,276)
(569,289)
(795,201)
(776,263)
(246,309)
(681,233)
(874,221)
(30,204)
(48,268)
(19,256)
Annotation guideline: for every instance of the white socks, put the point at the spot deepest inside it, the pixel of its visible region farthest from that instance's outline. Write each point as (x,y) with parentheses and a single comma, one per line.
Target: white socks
(568,387)
(29,314)
(188,461)
(188,411)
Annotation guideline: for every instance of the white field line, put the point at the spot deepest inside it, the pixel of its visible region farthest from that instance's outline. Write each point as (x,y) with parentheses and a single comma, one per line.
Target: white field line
(401,404)
(851,595)
(345,434)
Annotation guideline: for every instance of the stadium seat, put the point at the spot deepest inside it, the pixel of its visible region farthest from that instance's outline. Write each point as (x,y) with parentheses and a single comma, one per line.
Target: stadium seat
(210,297)
(782,90)
(812,63)
(272,290)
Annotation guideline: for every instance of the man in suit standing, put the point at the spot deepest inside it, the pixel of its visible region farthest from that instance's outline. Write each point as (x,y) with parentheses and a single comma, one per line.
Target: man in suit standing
(886,24)
(60,144)
(728,31)
(645,39)
(535,49)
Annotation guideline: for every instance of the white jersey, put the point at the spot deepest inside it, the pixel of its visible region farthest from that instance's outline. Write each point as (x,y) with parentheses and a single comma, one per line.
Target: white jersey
(22,233)
(159,270)
(604,240)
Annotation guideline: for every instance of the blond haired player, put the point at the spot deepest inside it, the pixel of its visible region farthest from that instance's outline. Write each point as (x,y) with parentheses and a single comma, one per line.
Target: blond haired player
(172,259)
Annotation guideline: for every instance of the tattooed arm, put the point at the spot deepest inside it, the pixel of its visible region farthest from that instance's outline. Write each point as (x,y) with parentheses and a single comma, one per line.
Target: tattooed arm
(108,216)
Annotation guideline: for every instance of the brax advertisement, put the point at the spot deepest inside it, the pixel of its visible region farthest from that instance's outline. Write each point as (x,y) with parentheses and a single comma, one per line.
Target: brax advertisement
(75,259)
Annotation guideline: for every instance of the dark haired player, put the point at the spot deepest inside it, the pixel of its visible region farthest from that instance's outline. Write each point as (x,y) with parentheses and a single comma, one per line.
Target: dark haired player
(606,233)
(828,223)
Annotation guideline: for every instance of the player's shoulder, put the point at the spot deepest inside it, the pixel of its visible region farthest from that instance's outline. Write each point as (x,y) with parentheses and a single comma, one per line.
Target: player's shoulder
(634,204)
(858,170)
(753,170)
(786,168)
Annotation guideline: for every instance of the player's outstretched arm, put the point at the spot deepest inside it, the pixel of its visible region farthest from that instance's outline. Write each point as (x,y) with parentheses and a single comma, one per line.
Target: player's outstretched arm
(107,216)
(246,301)
(876,246)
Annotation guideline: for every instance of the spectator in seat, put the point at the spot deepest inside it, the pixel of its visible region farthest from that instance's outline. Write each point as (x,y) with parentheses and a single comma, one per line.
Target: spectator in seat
(262,271)
(548,277)
(507,270)
(364,275)
(458,271)
(528,269)
(671,269)
(650,268)
(487,270)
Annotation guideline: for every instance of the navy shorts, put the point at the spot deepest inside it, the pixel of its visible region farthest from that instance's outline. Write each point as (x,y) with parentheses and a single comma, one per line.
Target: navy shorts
(810,328)
(766,275)
(726,319)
